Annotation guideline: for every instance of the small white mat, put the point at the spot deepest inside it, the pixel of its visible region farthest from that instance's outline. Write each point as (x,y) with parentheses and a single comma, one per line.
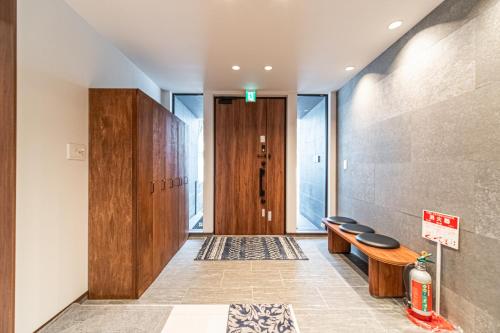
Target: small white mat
(197,319)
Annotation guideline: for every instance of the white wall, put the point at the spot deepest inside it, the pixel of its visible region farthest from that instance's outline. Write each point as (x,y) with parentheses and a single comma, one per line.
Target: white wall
(59,58)
(291,157)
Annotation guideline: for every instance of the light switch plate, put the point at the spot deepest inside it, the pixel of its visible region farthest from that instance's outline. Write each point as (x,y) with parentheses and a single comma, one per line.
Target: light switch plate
(345,164)
(76,151)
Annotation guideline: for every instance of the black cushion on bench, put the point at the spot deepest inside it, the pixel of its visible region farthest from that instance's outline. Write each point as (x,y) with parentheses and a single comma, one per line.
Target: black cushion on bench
(376,240)
(340,220)
(356,229)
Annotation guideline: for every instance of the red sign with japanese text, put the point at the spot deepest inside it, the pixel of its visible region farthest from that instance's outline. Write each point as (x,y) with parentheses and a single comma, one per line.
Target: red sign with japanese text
(441,228)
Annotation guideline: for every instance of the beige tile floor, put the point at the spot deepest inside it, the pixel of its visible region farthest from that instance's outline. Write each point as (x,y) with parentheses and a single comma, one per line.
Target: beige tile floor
(327,292)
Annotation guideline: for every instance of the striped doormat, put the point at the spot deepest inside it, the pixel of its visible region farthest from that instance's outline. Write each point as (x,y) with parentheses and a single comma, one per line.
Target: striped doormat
(250,248)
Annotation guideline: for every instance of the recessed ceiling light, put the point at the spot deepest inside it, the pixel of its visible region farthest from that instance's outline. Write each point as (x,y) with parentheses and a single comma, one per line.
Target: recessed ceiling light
(349,68)
(236,68)
(268,68)
(395,25)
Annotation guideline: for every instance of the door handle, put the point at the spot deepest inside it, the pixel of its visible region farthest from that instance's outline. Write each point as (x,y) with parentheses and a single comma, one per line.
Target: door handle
(262,173)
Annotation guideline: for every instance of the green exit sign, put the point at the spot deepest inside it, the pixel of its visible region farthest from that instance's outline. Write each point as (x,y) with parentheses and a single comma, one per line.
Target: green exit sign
(250,96)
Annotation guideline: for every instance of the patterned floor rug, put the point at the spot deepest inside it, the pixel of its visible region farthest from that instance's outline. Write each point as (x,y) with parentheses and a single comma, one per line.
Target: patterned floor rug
(250,248)
(261,318)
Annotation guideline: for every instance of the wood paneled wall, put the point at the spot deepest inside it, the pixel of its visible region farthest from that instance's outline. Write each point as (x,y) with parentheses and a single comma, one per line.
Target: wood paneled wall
(7,162)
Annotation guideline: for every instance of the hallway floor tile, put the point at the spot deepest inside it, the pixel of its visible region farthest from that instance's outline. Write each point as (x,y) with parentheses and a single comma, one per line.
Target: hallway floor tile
(328,293)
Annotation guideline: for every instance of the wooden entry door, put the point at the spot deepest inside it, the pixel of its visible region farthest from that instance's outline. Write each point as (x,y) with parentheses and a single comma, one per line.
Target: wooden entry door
(250,166)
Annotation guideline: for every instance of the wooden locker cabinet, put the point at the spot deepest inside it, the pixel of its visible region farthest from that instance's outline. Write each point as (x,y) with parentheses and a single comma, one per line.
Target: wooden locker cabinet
(135,191)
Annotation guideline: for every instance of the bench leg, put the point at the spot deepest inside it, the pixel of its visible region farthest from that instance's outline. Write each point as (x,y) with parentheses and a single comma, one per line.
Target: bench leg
(337,244)
(385,280)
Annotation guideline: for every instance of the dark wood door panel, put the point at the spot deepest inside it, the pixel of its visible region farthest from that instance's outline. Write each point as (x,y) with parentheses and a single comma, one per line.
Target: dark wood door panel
(7,162)
(160,251)
(225,208)
(241,167)
(255,160)
(276,133)
(145,191)
(111,193)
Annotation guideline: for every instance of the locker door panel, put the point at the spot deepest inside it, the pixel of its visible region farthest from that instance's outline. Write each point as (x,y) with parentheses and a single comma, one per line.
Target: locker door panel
(145,192)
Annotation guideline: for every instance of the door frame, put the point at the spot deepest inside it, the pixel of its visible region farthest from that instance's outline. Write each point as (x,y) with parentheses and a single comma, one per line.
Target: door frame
(285,98)
(8,133)
(327,159)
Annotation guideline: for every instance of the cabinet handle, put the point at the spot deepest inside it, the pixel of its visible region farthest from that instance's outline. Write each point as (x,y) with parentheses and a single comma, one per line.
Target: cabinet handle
(163,184)
(171,183)
(177,181)
(186,180)
(151,187)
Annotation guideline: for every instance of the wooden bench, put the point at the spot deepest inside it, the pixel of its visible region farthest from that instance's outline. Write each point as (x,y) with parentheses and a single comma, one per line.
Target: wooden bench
(385,266)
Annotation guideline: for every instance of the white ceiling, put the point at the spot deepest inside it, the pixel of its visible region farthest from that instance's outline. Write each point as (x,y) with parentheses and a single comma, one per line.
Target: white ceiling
(190,45)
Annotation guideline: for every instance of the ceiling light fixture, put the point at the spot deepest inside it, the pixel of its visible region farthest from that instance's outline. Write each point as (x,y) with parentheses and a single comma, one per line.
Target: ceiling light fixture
(349,68)
(268,68)
(236,68)
(395,25)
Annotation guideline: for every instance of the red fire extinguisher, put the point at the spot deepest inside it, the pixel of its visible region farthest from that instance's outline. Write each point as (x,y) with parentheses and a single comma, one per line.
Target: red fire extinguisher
(418,285)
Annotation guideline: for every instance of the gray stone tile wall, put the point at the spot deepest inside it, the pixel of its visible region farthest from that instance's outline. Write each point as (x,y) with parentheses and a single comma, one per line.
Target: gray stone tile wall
(420,128)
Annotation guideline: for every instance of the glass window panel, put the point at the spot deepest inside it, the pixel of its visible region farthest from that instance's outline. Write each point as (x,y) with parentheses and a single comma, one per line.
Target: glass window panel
(312,135)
